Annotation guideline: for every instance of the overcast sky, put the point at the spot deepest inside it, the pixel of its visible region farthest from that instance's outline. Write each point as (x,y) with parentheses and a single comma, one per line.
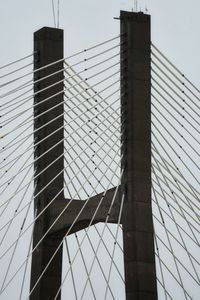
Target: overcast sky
(175,26)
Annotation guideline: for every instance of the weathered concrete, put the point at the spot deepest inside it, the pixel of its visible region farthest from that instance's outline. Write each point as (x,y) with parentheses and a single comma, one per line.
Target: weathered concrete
(139,258)
(48,47)
(87,212)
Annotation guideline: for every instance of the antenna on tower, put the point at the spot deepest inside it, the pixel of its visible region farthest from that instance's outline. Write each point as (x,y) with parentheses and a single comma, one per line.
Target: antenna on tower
(146,9)
(135,5)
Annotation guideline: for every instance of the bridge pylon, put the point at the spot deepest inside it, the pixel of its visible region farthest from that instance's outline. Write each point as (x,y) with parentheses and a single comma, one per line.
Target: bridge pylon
(139,258)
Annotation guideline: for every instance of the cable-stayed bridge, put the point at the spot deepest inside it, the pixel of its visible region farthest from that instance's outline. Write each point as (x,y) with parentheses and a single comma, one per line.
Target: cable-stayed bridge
(93,146)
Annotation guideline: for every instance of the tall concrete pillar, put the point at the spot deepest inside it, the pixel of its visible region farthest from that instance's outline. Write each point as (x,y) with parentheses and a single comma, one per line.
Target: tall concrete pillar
(139,257)
(48,113)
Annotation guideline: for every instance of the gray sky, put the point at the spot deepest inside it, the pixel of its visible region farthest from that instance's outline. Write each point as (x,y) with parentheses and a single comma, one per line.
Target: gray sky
(174,26)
